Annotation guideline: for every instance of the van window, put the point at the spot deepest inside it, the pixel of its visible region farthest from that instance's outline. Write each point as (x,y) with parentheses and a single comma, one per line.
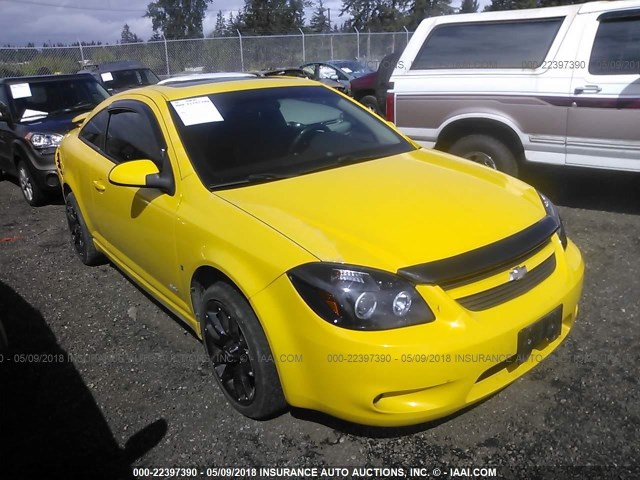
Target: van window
(616,49)
(514,44)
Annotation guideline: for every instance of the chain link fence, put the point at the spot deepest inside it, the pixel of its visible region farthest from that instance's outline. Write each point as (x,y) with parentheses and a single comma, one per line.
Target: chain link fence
(241,53)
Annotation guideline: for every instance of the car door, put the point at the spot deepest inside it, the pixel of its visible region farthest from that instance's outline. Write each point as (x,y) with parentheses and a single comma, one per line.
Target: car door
(137,225)
(603,128)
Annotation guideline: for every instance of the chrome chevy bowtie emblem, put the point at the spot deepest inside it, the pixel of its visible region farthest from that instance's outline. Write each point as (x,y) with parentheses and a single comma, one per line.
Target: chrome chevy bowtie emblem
(517,273)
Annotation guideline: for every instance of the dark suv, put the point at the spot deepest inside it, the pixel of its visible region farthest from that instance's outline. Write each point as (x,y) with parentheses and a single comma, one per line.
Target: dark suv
(35,112)
(120,76)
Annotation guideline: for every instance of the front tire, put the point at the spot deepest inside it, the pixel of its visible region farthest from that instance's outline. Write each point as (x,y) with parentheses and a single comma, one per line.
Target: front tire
(81,239)
(30,190)
(487,151)
(239,353)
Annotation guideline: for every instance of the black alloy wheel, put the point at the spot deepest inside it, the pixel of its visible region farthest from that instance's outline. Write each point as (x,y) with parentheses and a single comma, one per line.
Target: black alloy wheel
(228,352)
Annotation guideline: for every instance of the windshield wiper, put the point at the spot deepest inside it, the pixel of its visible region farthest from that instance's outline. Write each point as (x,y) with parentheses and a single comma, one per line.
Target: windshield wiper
(353,158)
(75,108)
(254,177)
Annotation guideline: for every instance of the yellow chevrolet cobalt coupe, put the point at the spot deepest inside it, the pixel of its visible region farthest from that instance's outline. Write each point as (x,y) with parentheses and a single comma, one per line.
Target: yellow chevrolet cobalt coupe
(326,261)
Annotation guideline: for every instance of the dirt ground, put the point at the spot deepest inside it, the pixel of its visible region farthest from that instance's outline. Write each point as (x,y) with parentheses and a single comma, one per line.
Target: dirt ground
(99,379)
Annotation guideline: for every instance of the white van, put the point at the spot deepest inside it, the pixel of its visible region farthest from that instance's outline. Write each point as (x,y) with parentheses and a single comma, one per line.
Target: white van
(558,85)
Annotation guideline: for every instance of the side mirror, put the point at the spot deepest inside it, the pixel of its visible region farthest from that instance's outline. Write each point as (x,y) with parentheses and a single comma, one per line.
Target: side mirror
(79,119)
(141,174)
(5,113)
(334,77)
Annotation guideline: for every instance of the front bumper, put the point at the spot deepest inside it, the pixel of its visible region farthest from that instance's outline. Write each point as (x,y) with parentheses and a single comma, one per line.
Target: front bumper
(43,170)
(414,374)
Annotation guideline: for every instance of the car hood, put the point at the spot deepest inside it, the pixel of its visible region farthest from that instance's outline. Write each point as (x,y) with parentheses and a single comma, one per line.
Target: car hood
(393,212)
(58,124)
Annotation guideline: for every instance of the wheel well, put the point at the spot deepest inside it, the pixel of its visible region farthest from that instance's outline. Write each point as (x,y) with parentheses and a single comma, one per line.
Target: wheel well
(470,126)
(363,93)
(18,155)
(202,279)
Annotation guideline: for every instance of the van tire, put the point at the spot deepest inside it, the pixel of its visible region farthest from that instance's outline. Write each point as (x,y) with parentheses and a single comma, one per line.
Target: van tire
(487,151)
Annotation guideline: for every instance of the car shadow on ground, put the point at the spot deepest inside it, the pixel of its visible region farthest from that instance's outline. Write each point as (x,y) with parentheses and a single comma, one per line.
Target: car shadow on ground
(587,188)
(50,424)
(51,198)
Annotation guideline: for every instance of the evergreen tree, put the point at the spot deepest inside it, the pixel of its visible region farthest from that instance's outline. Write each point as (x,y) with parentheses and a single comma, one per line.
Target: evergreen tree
(421,9)
(319,21)
(177,18)
(220,30)
(469,6)
(497,5)
(263,17)
(127,36)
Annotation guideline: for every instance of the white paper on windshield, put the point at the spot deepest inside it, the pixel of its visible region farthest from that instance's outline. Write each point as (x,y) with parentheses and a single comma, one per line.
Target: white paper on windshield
(20,90)
(33,114)
(194,111)
(347,69)
(107,77)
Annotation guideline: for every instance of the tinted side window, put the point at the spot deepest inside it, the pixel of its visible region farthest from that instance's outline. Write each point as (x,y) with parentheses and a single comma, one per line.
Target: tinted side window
(131,136)
(616,48)
(511,44)
(94,131)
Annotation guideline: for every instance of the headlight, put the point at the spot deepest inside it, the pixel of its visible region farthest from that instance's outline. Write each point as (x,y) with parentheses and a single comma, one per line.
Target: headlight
(552,211)
(359,298)
(44,140)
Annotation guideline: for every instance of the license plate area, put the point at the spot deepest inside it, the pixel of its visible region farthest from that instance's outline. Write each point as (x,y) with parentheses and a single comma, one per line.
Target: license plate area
(545,330)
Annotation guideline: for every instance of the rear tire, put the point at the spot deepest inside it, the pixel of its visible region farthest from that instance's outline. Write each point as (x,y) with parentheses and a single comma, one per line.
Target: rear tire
(239,353)
(371,103)
(30,190)
(81,239)
(487,151)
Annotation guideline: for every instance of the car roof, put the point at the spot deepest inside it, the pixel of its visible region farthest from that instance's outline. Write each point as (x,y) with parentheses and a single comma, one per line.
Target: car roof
(529,13)
(45,78)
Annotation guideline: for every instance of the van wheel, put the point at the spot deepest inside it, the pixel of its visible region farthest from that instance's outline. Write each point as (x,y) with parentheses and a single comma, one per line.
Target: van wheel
(239,353)
(371,103)
(487,151)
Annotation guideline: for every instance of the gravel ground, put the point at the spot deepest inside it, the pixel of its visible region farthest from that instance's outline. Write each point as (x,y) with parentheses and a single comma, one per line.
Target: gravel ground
(125,385)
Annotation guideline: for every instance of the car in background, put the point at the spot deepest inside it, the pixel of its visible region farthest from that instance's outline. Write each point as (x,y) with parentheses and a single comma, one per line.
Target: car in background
(341,71)
(557,85)
(35,112)
(123,75)
(214,198)
(371,89)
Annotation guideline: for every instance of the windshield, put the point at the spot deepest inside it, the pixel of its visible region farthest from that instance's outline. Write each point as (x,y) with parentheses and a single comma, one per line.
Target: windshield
(123,79)
(248,136)
(41,99)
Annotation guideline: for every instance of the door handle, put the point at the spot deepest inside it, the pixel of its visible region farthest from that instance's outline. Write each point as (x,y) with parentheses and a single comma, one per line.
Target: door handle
(99,186)
(587,89)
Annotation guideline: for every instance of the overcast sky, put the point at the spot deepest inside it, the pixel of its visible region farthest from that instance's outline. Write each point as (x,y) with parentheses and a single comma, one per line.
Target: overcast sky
(67,21)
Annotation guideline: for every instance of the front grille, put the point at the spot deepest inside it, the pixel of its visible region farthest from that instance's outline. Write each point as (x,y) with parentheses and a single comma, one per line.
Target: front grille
(507,291)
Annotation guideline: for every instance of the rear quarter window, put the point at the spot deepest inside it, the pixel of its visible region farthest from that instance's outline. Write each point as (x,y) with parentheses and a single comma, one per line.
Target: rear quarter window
(511,44)
(616,48)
